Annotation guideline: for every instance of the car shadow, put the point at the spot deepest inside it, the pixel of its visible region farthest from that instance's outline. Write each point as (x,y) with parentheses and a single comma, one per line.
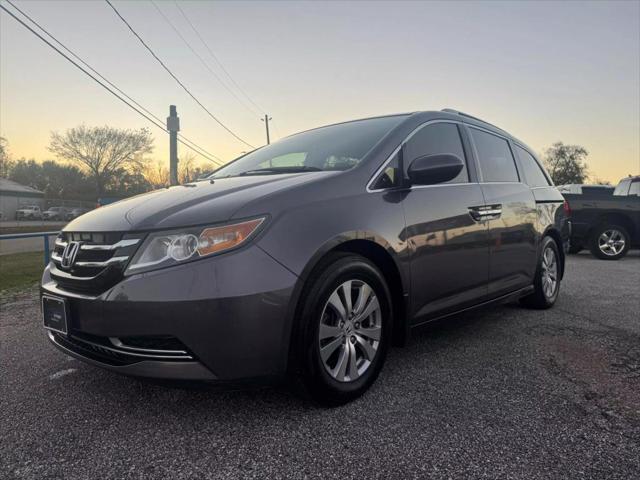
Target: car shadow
(276,394)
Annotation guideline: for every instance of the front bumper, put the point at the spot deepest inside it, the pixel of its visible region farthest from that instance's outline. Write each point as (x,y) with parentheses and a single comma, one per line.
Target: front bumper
(229,311)
(144,368)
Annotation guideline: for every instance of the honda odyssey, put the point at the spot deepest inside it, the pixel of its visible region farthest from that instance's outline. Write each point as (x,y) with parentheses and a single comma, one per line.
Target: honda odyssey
(307,258)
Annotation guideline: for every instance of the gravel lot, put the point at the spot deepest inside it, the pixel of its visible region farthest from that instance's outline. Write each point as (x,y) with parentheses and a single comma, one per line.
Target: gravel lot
(498,393)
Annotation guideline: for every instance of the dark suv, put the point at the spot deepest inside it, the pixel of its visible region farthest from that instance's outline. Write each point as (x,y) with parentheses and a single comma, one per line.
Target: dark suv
(310,256)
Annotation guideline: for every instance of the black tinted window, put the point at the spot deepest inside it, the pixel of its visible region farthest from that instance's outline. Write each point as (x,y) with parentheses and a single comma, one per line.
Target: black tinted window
(533,174)
(434,139)
(598,191)
(496,160)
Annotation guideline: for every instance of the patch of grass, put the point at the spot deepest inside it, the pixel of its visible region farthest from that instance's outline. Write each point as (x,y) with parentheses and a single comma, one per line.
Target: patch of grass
(20,270)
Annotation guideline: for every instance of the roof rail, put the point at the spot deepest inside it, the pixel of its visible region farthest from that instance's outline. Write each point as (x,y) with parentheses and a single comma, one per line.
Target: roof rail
(458,112)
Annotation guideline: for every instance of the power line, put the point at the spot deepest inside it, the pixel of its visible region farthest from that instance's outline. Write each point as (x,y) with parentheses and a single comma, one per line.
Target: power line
(77,57)
(204,63)
(213,55)
(153,54)
(148,115)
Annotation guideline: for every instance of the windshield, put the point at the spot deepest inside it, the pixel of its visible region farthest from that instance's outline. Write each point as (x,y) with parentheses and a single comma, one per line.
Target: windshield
(336,147)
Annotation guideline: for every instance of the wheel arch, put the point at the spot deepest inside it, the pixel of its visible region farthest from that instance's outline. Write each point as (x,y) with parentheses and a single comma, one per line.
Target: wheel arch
(555,234)
(389,268)
(377,250)
(615,219)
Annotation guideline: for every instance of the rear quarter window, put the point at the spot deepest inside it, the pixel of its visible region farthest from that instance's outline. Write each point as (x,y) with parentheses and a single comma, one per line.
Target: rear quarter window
(622,188)
(533,174)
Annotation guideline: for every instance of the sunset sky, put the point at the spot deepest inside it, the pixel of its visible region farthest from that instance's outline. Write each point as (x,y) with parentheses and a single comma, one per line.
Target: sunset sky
(543,71)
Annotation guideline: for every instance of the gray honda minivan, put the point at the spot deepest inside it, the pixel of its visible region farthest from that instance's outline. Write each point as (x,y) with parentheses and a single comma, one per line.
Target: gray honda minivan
(307,258)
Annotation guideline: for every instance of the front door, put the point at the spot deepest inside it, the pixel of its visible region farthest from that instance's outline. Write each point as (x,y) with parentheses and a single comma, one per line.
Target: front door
(449,248)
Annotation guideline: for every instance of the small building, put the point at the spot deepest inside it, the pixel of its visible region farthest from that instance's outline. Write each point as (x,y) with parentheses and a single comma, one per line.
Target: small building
(14,196)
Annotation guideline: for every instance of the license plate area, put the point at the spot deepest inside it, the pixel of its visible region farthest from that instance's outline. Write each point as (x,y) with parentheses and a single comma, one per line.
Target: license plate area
(55,312)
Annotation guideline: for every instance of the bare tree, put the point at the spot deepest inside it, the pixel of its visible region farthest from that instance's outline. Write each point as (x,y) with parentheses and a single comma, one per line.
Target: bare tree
(599,181)
(186,168)
(103,151)
(566,164)
(157,173)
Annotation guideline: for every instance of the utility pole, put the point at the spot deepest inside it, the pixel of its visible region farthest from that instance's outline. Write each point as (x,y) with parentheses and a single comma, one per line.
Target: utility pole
(173,125)
(266,123)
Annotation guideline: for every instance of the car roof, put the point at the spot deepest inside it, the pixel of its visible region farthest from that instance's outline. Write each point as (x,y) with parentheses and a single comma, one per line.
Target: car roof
(426,115)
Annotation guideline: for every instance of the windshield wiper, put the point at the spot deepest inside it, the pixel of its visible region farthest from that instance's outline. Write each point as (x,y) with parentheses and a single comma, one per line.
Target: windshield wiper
(298,169)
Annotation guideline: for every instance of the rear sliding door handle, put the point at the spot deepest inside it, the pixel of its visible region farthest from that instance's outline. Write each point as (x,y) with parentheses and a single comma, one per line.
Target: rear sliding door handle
(485,212)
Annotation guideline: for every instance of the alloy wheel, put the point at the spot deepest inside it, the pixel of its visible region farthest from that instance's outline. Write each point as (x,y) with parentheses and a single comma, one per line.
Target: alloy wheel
(350,330)
(549,272)
(611,242)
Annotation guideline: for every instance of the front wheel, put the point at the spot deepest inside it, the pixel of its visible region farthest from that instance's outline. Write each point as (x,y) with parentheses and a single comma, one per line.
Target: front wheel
(610,242)
(547,280)
(344,329)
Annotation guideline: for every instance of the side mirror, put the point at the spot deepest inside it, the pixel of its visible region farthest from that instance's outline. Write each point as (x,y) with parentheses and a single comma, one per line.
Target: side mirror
(436,168)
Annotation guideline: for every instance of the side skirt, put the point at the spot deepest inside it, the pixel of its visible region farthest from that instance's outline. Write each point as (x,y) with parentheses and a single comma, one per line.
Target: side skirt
(504,298)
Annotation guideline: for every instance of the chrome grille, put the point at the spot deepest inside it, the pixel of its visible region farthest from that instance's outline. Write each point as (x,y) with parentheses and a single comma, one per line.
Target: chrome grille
(91,262)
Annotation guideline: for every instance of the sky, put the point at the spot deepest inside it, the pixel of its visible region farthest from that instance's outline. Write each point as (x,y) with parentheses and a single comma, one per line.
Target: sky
(543,71)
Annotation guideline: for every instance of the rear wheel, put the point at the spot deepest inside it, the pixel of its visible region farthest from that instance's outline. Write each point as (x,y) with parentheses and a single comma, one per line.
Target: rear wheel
(547,281)
(610,242)
(344,330)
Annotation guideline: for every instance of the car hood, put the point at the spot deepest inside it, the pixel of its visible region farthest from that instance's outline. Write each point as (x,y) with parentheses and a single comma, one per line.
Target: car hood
(186,205)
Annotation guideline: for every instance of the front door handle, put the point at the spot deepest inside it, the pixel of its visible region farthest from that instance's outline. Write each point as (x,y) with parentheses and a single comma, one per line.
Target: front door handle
(485,212)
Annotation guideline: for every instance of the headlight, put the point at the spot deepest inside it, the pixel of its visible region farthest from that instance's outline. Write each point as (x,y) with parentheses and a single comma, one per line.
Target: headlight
(163,249)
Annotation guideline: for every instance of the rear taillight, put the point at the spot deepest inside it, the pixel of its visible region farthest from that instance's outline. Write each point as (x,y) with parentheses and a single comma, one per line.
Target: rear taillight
(567,209)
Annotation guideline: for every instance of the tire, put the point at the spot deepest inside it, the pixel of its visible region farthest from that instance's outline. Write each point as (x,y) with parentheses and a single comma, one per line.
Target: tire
(326,342)
(547,280)
(575,248)
(610,242)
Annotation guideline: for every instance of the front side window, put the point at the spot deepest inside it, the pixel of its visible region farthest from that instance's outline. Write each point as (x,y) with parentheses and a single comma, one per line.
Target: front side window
(336,147)
(495,157)
(533,173)
(634,189)
(390,175)
(434,139)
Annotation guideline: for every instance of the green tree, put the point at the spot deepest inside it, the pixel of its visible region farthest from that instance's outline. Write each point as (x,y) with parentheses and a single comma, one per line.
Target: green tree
(566,163)
(55,179)
(124,183)
(103,151)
